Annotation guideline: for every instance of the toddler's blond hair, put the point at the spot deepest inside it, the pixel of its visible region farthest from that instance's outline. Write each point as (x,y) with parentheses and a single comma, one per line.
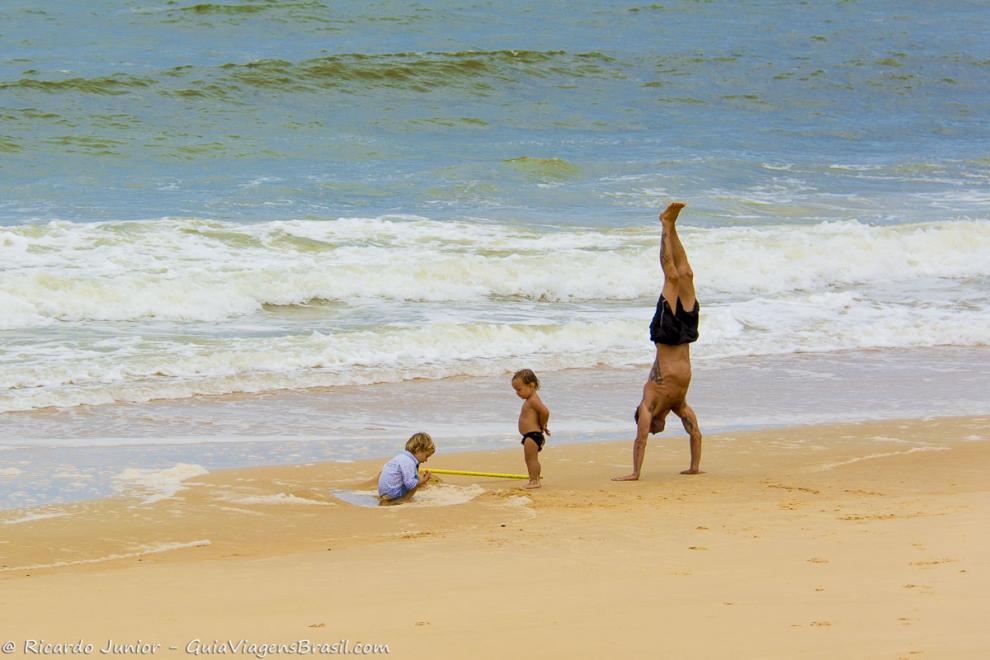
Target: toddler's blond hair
(420,442)
(527,377)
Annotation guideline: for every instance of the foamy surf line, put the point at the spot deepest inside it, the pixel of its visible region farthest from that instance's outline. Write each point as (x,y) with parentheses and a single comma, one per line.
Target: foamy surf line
(31,517)
(186,269)
(355,301)
(873,457)
(275,500)
(148,550)
(154,485)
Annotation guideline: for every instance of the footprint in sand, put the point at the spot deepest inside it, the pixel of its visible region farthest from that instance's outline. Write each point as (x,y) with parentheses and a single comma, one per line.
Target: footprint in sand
(800,489)
(817,560)
(931,562)
(412,535)
(864,517)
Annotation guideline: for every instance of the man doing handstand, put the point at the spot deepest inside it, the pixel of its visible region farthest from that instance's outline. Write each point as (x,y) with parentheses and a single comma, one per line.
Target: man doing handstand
(674,327)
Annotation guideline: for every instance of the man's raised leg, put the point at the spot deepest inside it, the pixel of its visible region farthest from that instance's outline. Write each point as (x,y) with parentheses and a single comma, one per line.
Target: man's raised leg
(685,276)
(671,277)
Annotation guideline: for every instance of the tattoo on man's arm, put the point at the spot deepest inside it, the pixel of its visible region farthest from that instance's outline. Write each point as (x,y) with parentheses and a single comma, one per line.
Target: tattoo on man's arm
(655,374)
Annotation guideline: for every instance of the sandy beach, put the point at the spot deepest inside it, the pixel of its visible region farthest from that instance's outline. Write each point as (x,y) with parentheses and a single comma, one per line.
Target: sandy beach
(865,540)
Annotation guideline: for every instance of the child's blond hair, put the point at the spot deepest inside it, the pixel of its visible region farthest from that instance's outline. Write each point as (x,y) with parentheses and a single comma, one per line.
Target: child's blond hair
(420,442)
(527,377)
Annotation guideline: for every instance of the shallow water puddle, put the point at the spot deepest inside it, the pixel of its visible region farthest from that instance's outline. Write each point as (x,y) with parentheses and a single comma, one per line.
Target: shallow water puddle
(437,495)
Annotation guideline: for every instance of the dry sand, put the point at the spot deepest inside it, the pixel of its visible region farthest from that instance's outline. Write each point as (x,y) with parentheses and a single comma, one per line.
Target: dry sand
(855,541)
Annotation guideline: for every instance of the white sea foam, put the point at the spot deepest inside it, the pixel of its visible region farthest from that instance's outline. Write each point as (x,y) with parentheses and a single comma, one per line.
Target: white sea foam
(10,472)
(35,516)
(415,298)
(206,271)
(71,472)
(802,323)
(871,457)
(155,485)
(276,499)
(239,510)
(144,550)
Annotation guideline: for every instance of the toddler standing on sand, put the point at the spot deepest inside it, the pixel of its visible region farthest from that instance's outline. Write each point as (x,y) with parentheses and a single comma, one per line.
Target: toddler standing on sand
(533,419)
(400,476)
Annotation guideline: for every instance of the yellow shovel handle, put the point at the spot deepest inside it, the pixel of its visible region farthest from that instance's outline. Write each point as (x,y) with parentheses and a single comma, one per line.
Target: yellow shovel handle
(468,473)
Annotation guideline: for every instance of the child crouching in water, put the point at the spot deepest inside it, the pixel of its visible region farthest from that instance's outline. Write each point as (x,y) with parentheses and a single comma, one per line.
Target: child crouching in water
(400,476)
(533,419)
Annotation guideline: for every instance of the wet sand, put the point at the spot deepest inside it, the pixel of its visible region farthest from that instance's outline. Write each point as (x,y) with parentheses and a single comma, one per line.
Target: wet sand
(75,454)
(866,540)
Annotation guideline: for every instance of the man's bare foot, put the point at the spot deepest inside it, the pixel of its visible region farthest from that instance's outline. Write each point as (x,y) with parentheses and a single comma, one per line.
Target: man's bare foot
(669,214)
(628,477)
(532,484)
(692,471)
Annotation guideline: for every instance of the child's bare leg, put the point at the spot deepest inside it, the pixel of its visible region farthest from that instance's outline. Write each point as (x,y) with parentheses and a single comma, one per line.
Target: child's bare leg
(690,422)
(531,452)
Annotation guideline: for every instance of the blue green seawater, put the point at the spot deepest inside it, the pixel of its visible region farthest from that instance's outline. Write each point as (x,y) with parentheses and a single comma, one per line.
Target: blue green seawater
(559,112)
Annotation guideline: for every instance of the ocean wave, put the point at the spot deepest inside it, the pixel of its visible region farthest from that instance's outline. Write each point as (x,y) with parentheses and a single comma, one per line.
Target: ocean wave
(419,72)
(139,369)
(112,85)
(480,71)
(215,8)
(546,168)
(134,311)
(202,270)
(167,369)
